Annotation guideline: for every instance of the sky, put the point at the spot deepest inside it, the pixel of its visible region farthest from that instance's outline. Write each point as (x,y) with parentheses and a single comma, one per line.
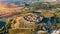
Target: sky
(26,0)
(9,0)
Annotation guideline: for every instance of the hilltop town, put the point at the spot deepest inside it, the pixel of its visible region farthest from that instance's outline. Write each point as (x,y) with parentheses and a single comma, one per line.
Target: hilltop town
(32,18)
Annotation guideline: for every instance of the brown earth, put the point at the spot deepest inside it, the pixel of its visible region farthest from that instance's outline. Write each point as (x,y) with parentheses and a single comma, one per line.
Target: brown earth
(7,9)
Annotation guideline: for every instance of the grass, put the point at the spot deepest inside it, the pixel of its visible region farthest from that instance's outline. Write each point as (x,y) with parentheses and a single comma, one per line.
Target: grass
(58,25)
(20,31)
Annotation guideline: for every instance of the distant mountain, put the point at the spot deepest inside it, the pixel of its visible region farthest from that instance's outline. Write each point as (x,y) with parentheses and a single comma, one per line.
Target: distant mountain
(41,0)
